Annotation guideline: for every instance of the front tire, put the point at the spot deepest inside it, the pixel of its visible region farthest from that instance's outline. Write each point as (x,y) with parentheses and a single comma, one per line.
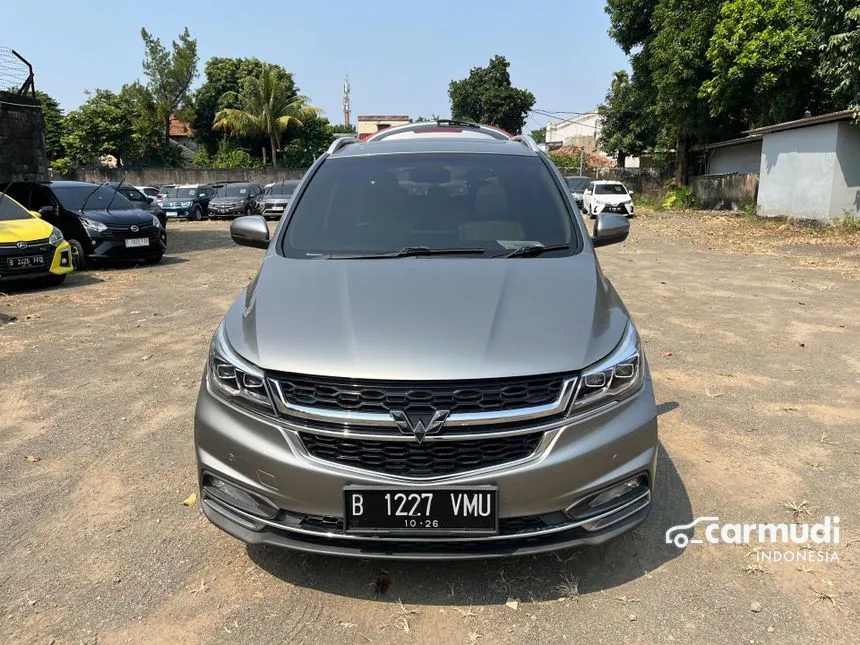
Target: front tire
(197,214)
(79,259)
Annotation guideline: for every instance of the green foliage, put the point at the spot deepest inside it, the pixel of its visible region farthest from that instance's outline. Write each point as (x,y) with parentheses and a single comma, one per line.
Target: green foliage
(539,135)
(343,127)
(838,27)
(53,118)
(630,21)
(762,54)
(849,222)
(223,82)
(62,167)
(563,161)
(487,96)
(679,197)
(170,74)
(624,130)
(99,127)
(307,142)
(227,156)
(266,106)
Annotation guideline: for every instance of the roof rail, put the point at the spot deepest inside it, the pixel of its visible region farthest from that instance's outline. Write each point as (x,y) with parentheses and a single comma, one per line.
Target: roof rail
(527,141)
(341,142)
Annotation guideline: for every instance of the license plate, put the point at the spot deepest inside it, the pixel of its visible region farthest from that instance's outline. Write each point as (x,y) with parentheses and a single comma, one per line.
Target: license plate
(276,208)
(445,510)
(28,261)
(135,242)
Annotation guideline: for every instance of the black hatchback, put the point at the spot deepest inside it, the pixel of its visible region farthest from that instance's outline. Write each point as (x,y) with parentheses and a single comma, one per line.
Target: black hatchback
(98,222)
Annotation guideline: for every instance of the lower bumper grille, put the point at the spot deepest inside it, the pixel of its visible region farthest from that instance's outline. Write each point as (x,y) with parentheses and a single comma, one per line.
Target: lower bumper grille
(412,459)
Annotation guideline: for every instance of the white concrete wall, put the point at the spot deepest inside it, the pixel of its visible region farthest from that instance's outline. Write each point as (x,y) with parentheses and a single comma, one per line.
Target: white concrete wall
(797,172)
(585,126)
(846,180)
(743,158)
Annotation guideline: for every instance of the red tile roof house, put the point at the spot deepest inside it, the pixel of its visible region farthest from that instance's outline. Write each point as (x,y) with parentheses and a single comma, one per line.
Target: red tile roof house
(181,133)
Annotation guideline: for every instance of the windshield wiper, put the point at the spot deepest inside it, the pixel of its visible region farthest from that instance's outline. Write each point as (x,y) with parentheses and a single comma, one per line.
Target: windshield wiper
(407,252)
(532,251)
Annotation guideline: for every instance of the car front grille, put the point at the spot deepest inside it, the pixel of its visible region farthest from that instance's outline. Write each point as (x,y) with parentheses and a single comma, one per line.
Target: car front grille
(38,248)
(122,232)
(491,395)
(615,209)
(413,459)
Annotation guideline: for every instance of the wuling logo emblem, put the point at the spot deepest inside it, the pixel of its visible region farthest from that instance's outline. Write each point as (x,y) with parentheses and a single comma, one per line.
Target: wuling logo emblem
(420,425)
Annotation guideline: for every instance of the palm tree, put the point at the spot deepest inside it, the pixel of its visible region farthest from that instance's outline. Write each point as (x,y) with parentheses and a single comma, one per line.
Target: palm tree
(266,107)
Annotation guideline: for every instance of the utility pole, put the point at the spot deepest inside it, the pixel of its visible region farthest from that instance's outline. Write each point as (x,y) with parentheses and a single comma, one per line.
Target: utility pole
(581,160)
(346,102)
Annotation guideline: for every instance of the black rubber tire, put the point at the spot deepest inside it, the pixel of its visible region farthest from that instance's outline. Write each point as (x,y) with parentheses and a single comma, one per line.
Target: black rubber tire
(79,258)
(196,214)
(154,260)
(247,211)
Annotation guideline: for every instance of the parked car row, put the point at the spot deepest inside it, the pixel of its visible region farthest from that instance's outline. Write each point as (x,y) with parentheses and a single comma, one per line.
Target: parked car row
(200,201)
(48,229)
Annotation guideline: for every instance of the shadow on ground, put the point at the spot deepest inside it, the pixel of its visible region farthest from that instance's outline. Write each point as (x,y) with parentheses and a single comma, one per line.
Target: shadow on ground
(475,582)
(197,236)
(76,279)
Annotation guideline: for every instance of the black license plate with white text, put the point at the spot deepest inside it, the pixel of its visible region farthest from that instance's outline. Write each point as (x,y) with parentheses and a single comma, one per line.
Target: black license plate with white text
(416,511)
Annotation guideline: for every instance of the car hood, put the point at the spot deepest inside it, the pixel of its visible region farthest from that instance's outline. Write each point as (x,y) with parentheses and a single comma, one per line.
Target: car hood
(24,230)
(426,318)
(614,200)
(227,200)
(127,217)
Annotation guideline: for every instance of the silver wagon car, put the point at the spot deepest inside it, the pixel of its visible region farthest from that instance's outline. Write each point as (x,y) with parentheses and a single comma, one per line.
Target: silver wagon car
(429,364)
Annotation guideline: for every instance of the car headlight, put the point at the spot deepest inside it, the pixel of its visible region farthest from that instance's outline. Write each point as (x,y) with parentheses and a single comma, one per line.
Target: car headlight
(235,378)
(92,226)
(56,237)
(156,222)
(615,377)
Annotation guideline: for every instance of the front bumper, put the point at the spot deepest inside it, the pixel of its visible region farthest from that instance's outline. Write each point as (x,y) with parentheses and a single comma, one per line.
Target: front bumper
(266,457)
(114,248)
(216,211)
(622,209)
(56,261)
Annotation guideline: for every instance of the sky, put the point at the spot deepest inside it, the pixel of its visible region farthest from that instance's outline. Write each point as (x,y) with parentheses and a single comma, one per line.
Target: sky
(400,56)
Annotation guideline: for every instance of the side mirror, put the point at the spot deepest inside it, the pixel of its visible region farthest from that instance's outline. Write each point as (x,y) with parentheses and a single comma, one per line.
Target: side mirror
(250,230)
(630,192)
(610,229)
(46,210)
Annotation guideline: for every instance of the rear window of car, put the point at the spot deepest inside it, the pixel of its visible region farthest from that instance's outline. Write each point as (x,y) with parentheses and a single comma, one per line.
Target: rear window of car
(11,210)
(578,183)
(384,203)
(610,189)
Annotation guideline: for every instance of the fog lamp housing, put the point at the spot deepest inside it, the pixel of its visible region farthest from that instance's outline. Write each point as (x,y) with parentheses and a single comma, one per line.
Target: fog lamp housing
(237,497)
(609,498)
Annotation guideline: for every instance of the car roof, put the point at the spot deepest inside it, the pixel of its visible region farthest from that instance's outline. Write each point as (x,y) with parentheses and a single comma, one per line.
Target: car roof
(70,184)
(435,145)
(446,128)
(608,181)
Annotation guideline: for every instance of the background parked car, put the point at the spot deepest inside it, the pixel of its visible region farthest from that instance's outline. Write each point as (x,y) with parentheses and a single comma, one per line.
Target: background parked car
(276,198)
(163,193)
(140,200)
(98,222)
(149,191)
(190,201)
(30,249)
(231,200)
(607,197)
(577,186)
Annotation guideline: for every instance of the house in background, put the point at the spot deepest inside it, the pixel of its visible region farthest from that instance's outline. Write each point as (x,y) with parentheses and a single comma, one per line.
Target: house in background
(181,133)
(582,131)
(373,123)
(807,169)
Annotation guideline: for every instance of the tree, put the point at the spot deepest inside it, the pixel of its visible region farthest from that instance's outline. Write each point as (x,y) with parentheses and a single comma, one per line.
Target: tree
(838,27)
(266,107)
(101,126)
(343,127)
(626,125)
(170,74)
(223,76)
(630,21)
(309,142)
(487,96)
(52,115)
(763,60)
(539,135)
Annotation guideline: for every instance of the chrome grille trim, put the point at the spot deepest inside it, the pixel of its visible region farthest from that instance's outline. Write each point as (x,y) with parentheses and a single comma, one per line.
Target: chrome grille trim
(455,420)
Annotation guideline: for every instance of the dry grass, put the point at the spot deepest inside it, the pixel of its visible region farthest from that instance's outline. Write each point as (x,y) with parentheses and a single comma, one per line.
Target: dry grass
(797,509)
(568,587)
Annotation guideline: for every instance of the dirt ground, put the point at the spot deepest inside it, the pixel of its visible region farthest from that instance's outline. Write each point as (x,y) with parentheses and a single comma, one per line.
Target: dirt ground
(752,335)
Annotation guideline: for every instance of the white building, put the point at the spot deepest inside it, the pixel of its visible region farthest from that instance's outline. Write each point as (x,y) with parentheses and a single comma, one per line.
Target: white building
(582,131)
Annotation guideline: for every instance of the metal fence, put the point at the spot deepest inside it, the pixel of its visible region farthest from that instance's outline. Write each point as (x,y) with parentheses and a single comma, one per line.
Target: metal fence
(16,73)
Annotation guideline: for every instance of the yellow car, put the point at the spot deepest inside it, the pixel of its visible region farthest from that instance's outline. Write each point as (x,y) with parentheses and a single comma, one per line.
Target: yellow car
(30,249)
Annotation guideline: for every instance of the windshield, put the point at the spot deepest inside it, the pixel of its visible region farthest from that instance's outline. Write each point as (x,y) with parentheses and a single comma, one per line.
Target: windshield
(384,203)
(73,198)
(610,189)
(11,210)
(283,189)
(232,191)
(578,183)
(183,192)
(166,190)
